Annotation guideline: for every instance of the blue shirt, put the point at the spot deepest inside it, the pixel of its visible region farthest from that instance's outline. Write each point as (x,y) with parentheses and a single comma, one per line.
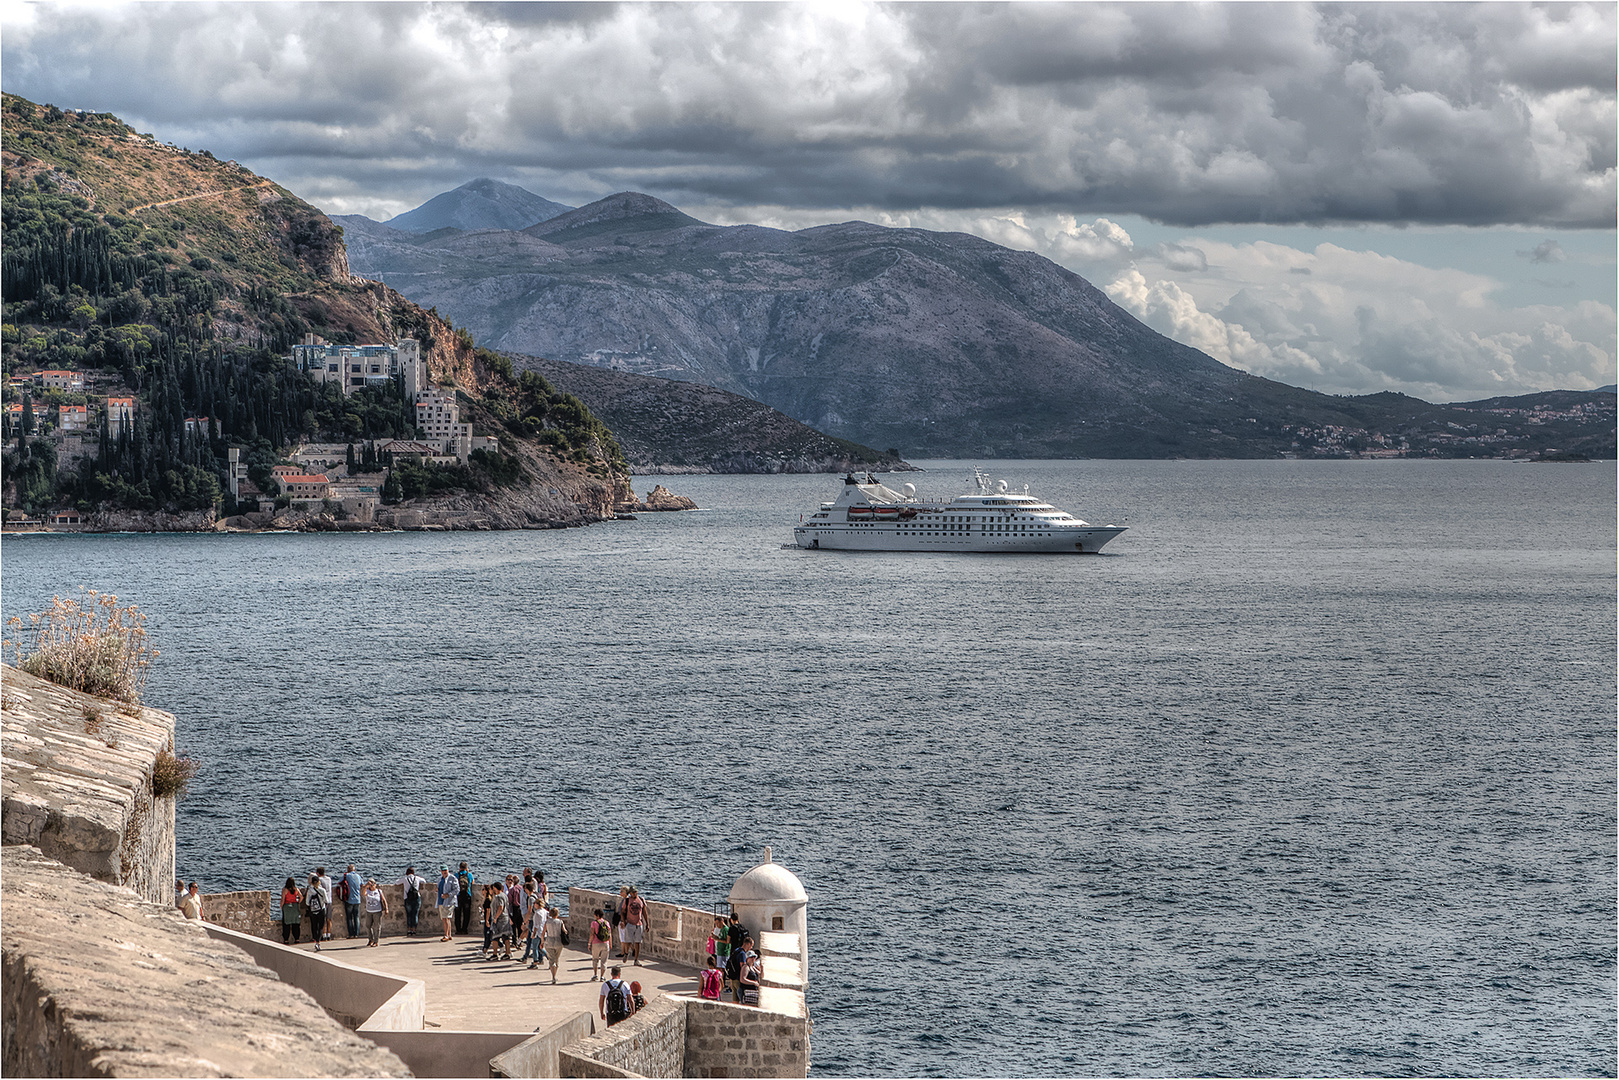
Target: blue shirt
(355,883)
(448,888)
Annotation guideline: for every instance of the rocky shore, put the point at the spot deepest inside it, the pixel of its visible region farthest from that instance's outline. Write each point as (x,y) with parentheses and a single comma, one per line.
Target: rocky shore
(530,508)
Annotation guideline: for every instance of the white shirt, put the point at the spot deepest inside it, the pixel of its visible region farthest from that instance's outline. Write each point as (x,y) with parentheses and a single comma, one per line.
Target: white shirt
(323,885)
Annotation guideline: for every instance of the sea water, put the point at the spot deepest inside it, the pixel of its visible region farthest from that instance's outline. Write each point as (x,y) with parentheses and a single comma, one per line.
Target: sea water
(1312,772)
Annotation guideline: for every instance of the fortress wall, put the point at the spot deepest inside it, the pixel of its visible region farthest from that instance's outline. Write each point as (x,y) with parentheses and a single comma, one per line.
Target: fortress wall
(675,933)
(539,1055)
(99,982)
(650,1043)
(724,1039)
(75,782)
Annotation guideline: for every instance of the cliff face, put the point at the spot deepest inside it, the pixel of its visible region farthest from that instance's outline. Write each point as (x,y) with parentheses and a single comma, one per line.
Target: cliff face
(76,783)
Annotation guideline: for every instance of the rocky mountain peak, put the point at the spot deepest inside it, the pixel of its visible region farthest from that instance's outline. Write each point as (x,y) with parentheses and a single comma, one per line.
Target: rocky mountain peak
(629,210)
(483,203)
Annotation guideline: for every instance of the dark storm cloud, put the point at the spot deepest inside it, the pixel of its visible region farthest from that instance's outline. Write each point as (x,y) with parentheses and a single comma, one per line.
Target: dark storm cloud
(1187,114)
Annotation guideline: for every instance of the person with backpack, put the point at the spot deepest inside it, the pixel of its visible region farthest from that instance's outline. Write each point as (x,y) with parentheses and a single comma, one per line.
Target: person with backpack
(318,899)
(710,981)
(633,932)
(733,961)
(617,1001)
(413,887)
(601,941)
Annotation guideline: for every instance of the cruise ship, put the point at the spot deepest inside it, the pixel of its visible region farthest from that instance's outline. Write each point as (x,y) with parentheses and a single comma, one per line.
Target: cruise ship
(871,516)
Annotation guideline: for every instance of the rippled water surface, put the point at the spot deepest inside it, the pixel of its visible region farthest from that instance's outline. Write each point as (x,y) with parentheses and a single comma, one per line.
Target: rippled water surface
(1313,773)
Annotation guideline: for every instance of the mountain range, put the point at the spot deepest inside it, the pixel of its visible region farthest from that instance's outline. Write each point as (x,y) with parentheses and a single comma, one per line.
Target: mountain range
(938,344)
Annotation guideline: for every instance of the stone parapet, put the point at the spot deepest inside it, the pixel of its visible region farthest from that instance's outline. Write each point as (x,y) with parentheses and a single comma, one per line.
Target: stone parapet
(650,1043)
(729,1040)
(98,982)
(76,782)
(675,933)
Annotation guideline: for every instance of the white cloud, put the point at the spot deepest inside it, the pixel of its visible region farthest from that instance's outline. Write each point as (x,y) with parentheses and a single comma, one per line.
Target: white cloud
(1192,114)
(1358,322)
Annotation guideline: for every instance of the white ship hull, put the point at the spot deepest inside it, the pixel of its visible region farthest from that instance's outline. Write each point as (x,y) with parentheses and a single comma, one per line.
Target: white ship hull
(884,536)
(872,517)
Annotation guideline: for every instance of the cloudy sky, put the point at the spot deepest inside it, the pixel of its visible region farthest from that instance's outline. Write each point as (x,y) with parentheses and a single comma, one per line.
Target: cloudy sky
(1348,197)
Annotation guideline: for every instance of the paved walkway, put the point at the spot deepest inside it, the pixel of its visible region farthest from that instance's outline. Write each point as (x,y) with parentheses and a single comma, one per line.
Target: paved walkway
(467,993)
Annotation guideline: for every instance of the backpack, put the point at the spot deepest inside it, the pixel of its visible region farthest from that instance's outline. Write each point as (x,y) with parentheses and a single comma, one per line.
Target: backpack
(711,983)
(413,879)
(618,999)
(603,933)
(316,903)
(733,964)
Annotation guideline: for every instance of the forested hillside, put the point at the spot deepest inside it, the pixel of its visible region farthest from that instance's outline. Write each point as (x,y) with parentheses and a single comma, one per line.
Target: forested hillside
(181,281)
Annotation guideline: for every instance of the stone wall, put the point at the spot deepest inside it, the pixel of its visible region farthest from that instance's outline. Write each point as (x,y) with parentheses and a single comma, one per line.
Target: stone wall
(75,782)
(729,1040)
(650,1043)
(675,933)
(258,912)
(99,982)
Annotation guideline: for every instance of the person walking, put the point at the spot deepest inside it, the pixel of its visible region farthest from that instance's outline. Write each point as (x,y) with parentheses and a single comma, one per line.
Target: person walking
(534,925)
(514,901)
(489,892)
(447,892)
(376,906)
(463,900)
(353,884)
(615,1004)
(601,941)
(413,886)
(500,926)
(553,941)
(317,898)
(292,915)
(633,932)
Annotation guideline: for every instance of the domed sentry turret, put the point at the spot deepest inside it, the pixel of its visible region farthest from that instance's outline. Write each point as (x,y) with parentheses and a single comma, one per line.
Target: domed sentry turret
(770,898)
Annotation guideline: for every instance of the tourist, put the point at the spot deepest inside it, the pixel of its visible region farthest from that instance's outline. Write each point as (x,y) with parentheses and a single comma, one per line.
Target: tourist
(514,900)
(489,893)
(635,995)
(179,892)
(463,900)
(739,953)
(447,891)
(318,899)
(544,889)
(710,981)
(618,922)
(533,927)
(501,926)
(292,916)
(601,940)
(191,906)
(326,898)
(750,975)
(616,1003)
(553,930)
(352,886)
(719,942)
(633,932)
(376,906)
(413,887)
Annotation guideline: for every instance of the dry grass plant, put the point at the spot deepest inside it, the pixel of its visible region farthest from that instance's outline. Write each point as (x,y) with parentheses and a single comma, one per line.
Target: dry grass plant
(89,643)
(172,773)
